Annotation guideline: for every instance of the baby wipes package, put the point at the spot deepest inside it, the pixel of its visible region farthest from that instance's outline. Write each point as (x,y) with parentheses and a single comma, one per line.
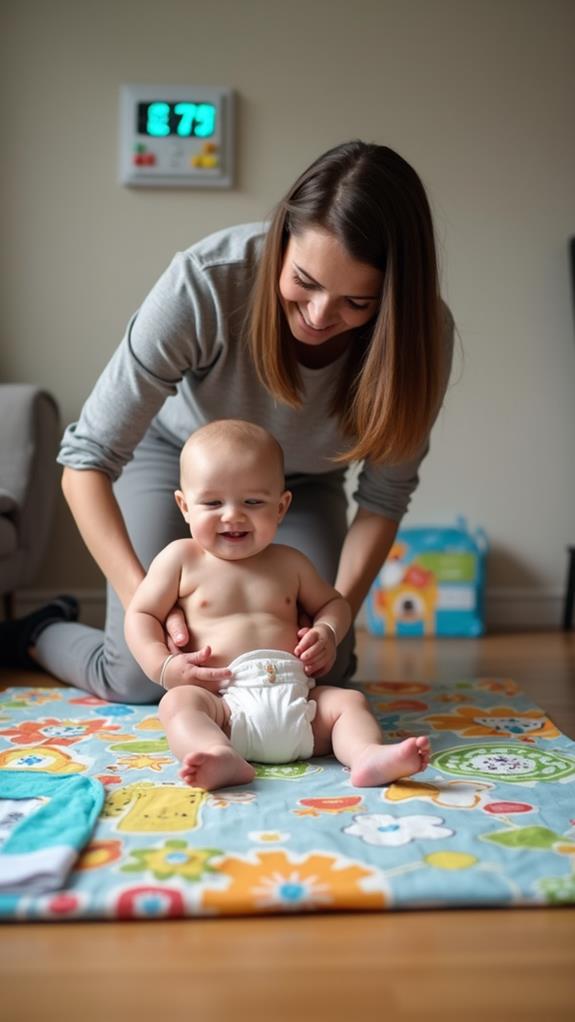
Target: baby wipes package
(431,584)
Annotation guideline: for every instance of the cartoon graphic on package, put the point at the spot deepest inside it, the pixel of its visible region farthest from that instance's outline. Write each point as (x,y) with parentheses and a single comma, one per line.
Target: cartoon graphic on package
(431,584)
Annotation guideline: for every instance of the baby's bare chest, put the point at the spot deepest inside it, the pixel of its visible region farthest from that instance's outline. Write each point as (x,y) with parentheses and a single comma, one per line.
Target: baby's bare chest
(224,592)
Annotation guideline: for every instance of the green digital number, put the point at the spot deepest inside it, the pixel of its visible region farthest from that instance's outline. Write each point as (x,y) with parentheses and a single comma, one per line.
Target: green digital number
(186,112)
(195,119)
(205,120)
(158,123)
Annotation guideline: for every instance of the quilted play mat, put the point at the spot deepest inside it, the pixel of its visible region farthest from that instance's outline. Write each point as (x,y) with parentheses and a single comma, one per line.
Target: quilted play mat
(95,823)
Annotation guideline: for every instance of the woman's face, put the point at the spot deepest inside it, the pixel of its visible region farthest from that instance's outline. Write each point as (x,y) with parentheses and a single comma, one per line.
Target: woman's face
(324,292)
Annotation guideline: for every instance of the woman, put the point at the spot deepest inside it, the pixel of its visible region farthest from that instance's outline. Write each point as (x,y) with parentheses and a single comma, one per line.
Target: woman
(325,327)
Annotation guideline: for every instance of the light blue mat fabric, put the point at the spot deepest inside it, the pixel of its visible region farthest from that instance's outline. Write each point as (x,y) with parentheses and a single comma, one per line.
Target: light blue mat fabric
(491,822)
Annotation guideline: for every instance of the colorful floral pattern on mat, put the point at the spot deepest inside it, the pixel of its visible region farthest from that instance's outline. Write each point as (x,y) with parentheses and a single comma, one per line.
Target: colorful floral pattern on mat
(490,822)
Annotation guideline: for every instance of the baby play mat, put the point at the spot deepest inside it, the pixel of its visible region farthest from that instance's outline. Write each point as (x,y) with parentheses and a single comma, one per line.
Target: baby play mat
(95,823)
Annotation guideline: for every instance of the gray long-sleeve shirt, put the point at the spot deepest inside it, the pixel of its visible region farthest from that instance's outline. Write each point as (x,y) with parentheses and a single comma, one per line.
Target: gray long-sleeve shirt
(182,363)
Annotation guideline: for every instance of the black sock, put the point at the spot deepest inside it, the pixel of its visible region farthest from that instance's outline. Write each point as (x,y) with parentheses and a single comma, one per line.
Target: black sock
(16,637)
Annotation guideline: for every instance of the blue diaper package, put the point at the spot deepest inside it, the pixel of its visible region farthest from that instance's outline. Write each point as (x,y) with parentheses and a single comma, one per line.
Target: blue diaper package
(432,583)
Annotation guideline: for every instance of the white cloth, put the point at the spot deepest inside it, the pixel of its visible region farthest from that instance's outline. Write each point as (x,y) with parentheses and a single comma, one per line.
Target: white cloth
(271,713)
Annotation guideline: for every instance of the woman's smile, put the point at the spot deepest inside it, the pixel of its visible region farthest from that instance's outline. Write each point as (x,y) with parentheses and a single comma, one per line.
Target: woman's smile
(314,329)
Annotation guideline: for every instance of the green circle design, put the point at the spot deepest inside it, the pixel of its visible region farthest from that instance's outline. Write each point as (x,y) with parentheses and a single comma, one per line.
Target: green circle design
(285,771)
(507,762)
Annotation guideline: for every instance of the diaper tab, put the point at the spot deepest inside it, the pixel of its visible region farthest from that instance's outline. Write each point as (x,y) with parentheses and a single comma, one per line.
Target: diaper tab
(268,668)
(274,655)
(271,671)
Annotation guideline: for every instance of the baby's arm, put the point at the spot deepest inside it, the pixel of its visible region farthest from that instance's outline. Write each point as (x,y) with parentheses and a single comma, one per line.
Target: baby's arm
(156,595)
(331,616)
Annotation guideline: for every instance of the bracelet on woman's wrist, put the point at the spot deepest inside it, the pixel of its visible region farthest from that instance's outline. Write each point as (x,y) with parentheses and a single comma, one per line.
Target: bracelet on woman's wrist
(167,661)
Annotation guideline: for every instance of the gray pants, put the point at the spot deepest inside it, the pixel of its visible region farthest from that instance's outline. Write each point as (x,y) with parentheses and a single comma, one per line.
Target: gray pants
(100,662)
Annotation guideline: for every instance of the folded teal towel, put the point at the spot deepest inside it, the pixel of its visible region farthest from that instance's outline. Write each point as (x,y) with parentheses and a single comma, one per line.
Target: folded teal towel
(48,820)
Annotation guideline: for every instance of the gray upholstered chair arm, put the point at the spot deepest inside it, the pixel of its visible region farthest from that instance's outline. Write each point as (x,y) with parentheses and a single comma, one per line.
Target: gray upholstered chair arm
(29,432)
(8,503)
(18,437)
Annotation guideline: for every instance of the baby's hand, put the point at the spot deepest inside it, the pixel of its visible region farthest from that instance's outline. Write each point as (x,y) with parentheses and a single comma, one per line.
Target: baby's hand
(187,669)
(316,649)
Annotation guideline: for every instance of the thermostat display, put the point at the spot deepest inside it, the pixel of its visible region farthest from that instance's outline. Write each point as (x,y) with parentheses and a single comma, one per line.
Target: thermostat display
(179,136)
(183,119)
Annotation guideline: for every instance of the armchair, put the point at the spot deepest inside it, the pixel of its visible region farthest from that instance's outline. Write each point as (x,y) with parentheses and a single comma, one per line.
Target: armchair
(29,432)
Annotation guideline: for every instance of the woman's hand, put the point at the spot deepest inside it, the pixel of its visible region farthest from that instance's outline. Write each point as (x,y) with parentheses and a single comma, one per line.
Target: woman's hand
(304,620)
(187,669)
(177,634)
(316,649)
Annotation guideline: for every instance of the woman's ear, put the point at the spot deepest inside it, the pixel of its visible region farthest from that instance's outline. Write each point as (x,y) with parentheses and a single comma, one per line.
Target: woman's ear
(182,504)
(285,501)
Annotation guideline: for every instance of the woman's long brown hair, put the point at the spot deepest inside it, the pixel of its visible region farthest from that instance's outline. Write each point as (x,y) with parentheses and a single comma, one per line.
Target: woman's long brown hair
(392,381)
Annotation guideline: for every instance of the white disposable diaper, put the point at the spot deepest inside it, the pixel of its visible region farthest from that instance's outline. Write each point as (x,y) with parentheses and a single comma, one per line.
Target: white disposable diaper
(271,713)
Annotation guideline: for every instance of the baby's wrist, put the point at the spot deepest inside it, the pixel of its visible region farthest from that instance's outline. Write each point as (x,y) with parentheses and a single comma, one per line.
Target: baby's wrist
(165,664)
(326,624)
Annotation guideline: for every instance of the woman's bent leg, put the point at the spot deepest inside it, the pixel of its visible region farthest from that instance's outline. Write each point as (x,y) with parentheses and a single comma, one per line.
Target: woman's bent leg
(316,524)
(100,661)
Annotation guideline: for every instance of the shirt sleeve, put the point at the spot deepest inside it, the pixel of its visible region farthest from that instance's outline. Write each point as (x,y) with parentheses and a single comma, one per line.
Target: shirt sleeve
(387,489)
(174,331)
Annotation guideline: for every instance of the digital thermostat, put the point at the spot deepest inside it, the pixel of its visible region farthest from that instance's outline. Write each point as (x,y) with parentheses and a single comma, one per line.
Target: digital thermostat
(176,135)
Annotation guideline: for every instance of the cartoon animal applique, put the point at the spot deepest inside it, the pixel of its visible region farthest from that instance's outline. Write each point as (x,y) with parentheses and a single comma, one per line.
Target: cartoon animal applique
(41,757)
(406,597)
(145,807)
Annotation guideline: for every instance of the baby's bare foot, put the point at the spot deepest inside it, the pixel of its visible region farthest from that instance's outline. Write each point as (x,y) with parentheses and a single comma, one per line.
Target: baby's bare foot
(218,767)
(381,764)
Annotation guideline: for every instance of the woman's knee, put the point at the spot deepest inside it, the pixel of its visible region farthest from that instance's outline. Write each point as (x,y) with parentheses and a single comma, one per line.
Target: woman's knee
(131,688)
(120,680)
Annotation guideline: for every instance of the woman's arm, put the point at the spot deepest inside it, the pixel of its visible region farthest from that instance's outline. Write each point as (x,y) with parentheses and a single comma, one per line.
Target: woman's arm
(365,548)
(91,499)
(92,502)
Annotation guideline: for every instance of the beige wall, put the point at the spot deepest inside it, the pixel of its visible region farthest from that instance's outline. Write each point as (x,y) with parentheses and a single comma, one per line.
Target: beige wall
(477,94)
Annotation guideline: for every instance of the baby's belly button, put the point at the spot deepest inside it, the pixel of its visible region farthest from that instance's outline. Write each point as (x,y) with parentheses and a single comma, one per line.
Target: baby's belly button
(255,635)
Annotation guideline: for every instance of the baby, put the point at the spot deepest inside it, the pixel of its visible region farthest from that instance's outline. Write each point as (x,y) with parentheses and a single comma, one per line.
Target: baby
(241,594)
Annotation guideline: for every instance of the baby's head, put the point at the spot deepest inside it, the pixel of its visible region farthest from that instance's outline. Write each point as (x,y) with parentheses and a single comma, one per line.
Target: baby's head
(214,446)
(232,492)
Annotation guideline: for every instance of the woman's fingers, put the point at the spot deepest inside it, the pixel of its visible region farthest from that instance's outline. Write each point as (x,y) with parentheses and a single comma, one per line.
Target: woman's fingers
(176,627)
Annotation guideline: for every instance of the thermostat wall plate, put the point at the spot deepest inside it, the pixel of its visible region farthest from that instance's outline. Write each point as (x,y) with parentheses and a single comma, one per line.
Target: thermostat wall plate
(177,136)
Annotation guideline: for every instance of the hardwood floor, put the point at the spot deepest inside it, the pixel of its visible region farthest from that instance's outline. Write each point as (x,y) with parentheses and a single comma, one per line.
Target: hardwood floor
(543,663)
(491,965)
